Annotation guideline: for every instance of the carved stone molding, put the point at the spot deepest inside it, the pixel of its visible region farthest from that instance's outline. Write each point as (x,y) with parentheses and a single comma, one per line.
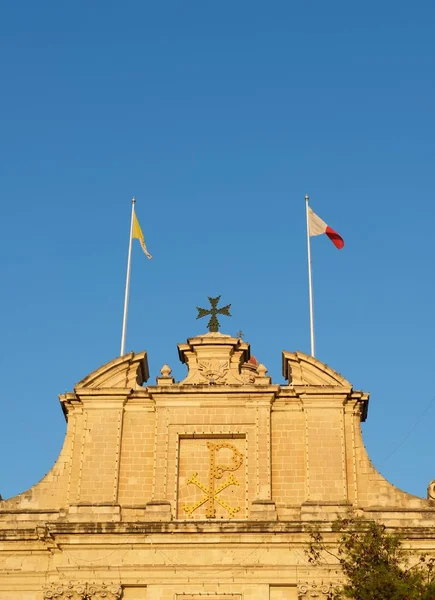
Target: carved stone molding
(83,591)
(322,591)
(102,591)
(70,591)
(214,359)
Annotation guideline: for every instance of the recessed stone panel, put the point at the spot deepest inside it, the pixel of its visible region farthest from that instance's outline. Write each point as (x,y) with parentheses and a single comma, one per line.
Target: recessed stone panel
(212,478)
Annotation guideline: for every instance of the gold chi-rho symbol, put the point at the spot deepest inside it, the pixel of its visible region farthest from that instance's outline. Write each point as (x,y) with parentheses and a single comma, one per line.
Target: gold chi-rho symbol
(216,472)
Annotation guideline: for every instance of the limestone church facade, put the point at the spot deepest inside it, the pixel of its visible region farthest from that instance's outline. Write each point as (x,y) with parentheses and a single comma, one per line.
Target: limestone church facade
(200,489)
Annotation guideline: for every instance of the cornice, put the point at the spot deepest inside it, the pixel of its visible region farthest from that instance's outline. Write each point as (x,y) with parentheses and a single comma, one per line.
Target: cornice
(126,533)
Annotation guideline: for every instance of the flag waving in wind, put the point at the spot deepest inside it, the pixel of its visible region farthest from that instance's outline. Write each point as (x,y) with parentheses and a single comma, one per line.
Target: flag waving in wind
(317,226)
(138,235)
(135,233)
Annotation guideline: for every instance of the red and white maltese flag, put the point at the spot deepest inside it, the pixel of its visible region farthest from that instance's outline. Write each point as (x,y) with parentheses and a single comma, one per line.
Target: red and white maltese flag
(317,226)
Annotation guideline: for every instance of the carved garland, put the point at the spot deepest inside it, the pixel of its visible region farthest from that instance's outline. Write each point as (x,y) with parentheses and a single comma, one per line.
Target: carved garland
(85,591)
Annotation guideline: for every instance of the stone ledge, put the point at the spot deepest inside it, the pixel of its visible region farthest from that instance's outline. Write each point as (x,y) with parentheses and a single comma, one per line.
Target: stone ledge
(263,510)
(83,528)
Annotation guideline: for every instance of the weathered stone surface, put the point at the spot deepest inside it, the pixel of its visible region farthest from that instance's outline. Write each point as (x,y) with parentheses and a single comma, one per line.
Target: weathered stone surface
(202,488)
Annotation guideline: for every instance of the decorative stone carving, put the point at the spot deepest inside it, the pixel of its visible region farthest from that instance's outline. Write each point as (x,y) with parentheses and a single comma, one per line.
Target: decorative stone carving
(303,371)
(248,370)
(102,591)
(262,378)
(214,359)
(128,371)
(314,590)
(165,378)
(166,371)
(83,591)
(214,371)
(431,490)
(300,369)
(71,591)
(247,376)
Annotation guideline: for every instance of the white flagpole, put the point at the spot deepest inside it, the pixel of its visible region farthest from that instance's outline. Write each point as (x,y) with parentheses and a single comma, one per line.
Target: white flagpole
(127,283)
(310,280)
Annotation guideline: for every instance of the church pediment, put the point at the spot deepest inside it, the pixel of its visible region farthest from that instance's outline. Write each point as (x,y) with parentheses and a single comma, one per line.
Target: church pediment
(300,369)
(128,371)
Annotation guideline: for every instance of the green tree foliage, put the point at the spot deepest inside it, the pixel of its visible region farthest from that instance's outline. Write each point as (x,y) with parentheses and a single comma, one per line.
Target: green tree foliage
(374,562)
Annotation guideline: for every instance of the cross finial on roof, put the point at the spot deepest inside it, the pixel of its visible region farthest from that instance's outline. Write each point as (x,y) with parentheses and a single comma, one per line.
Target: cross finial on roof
(213,324)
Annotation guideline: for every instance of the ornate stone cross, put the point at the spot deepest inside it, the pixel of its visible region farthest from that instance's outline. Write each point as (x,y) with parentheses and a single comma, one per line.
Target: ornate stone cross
(213,324)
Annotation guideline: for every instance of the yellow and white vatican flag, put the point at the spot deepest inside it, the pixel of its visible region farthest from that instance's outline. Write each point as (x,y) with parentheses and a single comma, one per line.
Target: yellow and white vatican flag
(138,235)
(135,233)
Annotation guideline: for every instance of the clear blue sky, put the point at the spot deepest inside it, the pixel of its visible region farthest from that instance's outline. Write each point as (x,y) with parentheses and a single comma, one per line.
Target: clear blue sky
(219,117)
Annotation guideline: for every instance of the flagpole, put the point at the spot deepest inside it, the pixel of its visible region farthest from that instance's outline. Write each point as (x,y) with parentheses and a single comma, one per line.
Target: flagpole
(127,283)
(310,280)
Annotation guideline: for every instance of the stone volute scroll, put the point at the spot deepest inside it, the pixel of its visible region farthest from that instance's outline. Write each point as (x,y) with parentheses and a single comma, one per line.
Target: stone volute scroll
(103,591)
(69,591)
(314,590)
(431,492)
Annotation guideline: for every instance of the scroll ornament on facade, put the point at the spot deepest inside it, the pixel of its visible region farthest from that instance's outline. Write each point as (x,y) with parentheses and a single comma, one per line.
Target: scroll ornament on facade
(83,591)
(65,592)
(320,591)
(104,592)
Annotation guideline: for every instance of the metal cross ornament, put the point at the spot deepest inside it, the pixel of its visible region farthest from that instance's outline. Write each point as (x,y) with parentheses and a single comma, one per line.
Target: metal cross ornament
(216,471)
(213,324)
